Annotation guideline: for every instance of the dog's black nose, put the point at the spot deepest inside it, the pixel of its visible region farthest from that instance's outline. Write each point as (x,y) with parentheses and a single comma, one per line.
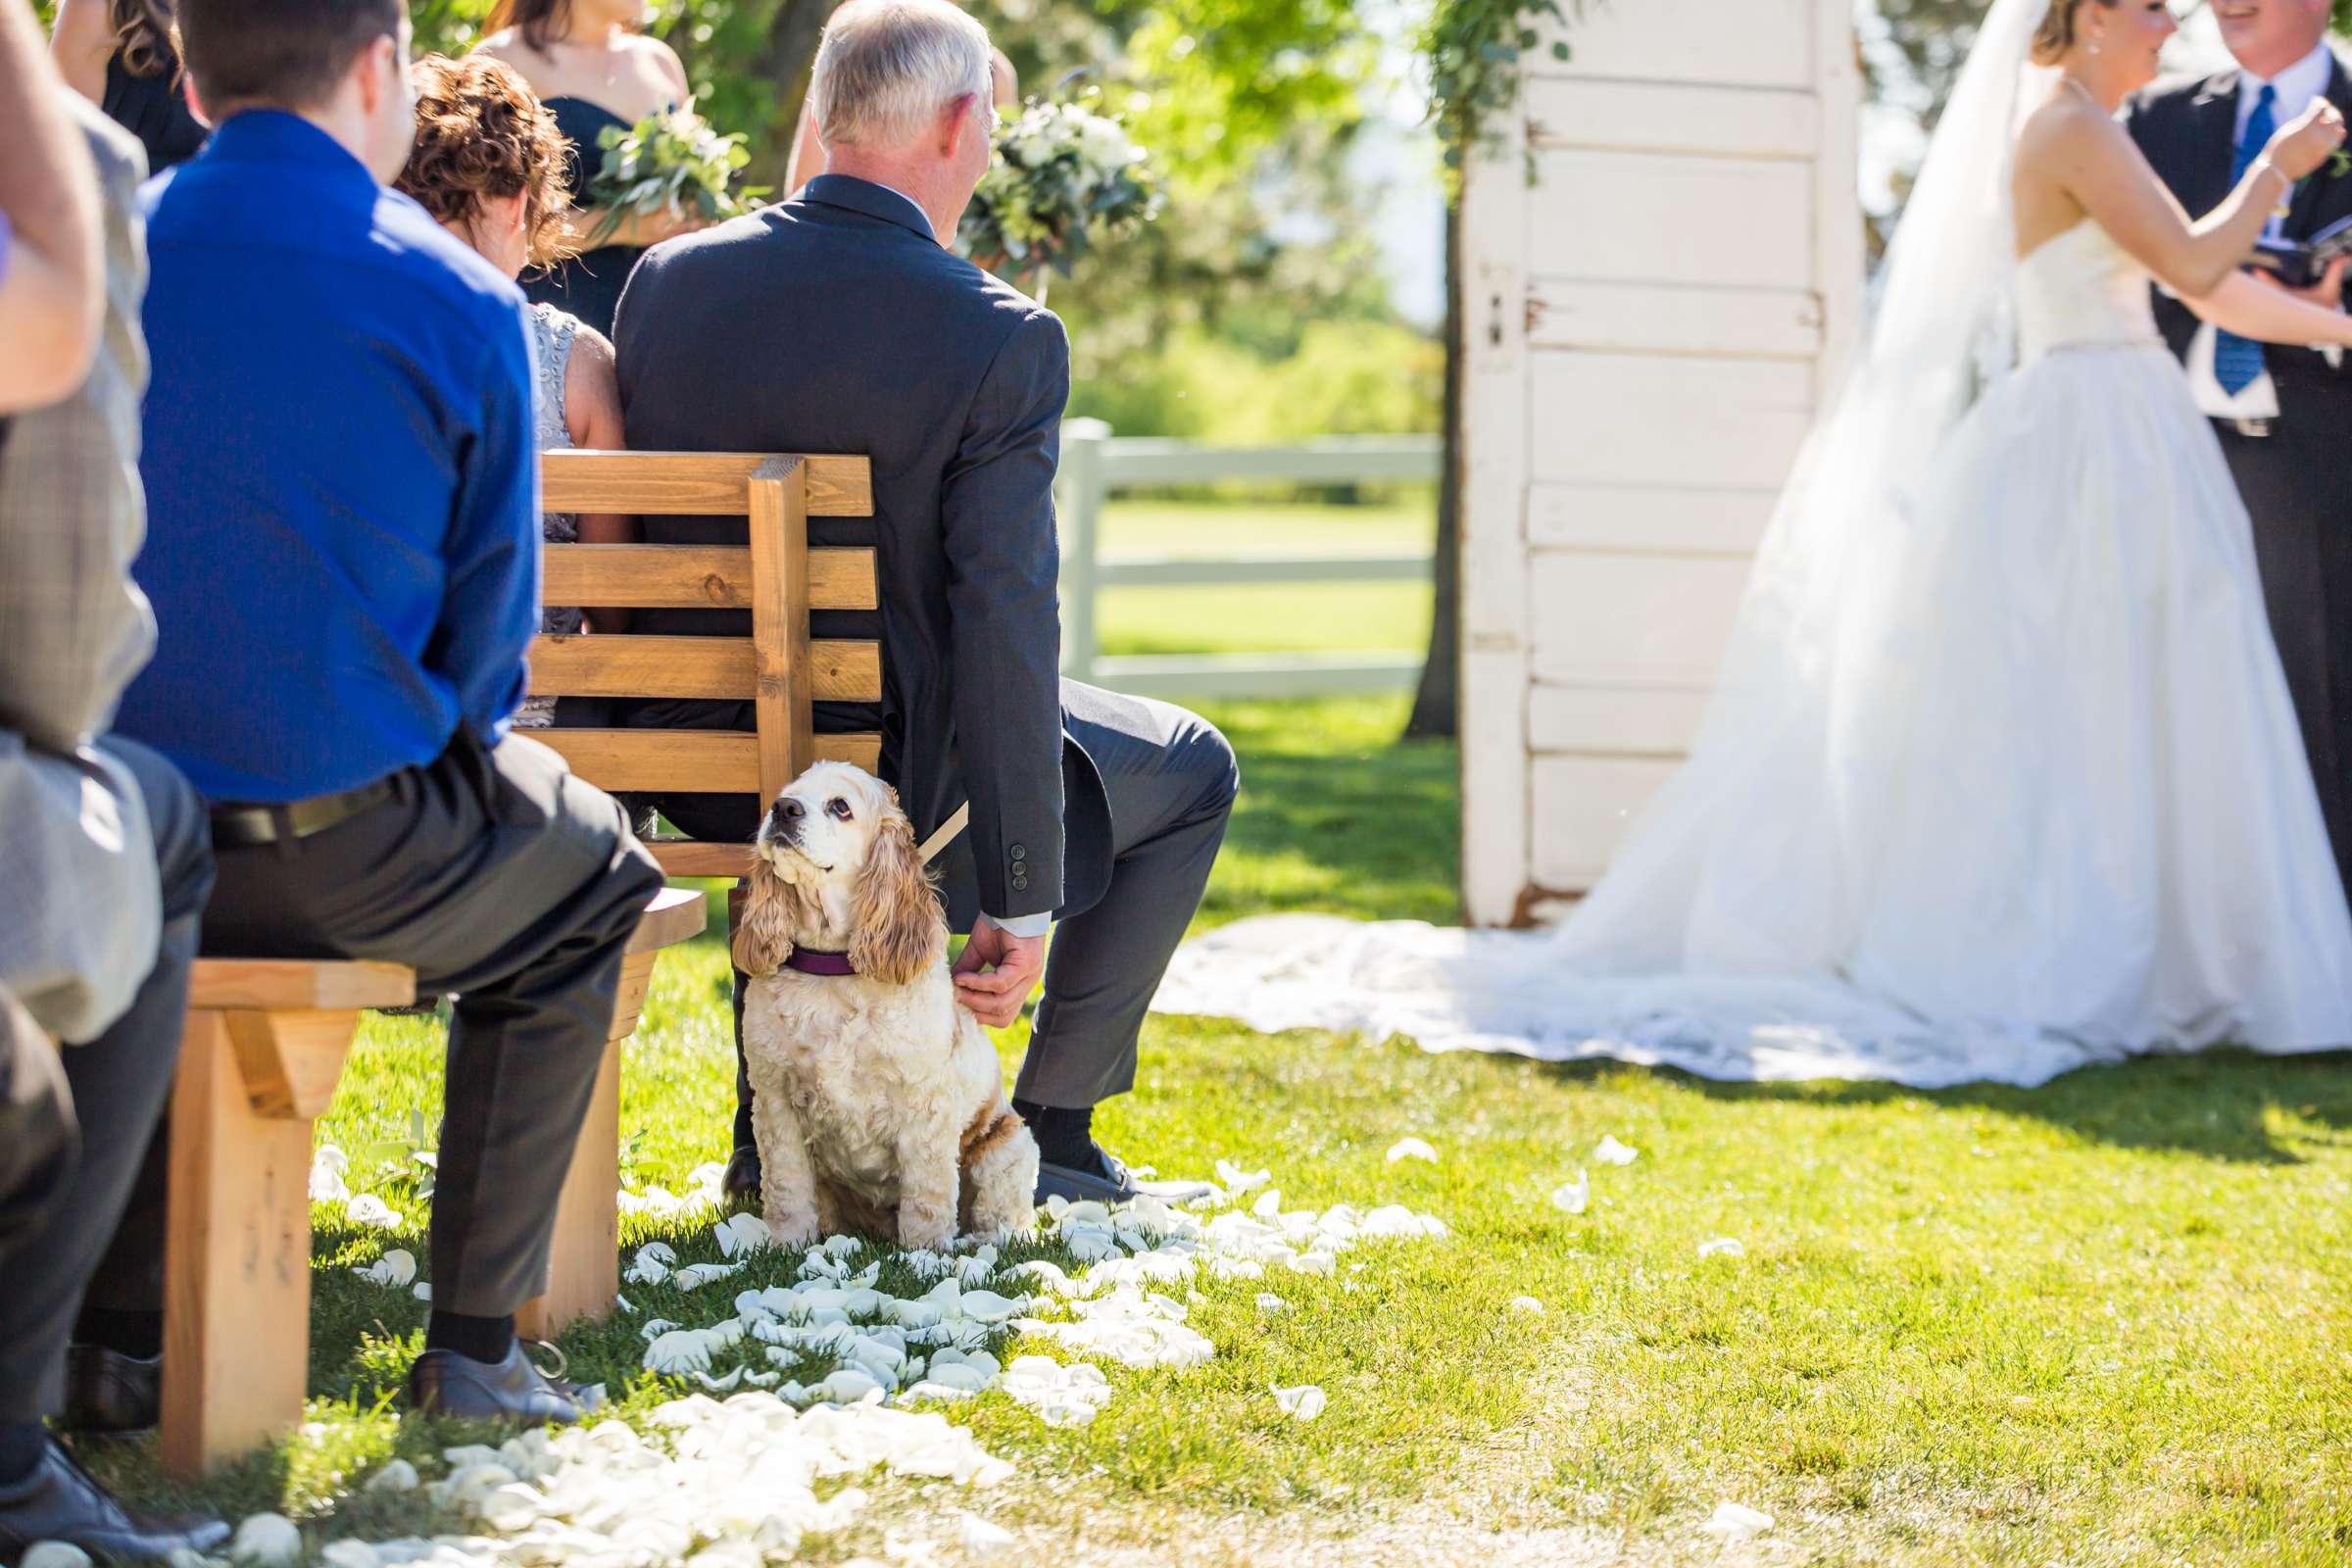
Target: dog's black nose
(784,818)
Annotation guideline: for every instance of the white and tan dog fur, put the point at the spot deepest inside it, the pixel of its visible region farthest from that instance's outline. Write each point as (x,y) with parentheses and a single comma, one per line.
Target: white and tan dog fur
(878,1102)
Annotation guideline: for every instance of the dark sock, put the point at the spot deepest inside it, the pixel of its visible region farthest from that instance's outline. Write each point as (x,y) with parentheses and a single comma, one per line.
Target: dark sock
(1065,1136)
(140,1333)
(21,1444)
(479,1339)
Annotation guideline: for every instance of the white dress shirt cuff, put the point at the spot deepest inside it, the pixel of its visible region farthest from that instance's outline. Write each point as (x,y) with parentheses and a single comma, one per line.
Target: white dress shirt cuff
(1021,926)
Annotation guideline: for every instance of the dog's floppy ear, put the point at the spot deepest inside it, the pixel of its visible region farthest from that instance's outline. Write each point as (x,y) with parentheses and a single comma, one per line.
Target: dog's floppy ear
(770,911)
(897,930)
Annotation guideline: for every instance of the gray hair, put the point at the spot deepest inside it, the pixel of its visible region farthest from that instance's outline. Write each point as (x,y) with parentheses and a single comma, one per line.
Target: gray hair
(887,68)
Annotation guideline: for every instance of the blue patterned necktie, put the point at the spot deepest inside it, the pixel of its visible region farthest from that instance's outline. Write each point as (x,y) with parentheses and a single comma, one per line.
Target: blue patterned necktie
(2237,361)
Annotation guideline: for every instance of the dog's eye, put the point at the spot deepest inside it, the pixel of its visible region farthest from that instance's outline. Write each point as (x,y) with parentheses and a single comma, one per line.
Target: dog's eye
(838,807)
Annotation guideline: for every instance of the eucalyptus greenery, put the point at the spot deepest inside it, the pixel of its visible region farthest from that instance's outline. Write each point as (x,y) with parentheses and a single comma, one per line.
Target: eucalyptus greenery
(1063,174)
(670,160)
(1474,49)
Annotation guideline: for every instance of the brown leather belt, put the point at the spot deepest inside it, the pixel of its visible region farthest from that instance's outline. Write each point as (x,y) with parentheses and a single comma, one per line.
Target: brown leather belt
(240,825)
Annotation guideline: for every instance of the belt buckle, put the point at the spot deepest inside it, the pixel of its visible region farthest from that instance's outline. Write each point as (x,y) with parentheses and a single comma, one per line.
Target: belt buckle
(2252,429)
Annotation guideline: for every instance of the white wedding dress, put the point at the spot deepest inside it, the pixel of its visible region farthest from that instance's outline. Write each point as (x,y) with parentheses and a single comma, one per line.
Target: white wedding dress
(2000,778)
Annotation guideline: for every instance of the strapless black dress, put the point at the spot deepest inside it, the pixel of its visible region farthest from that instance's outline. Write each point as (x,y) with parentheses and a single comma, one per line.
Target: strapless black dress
(155,109)
(589,284)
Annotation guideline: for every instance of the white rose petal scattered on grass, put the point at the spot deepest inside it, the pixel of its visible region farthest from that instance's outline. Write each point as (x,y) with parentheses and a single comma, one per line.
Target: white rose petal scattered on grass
(1609,1152)
(1062,1396)
(329,1167)
(397,1475)
(349,1553)
(1735,1521)
(1301,1404)
(652,1264)
(266,1541)
(423,1290)
(395,1268)
(1268,1302)
(982,1538)
(54,1554)
(1573,1198)
(373,1211)
(742,1234)
(1411,1148)
(1528,1304)
(1722,1247)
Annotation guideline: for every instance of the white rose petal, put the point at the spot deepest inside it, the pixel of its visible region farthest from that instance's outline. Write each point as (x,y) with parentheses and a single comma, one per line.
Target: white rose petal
(1735,1521)
(54,1554)
(982,1538)
(372,1210)
(1304,1402)
(348,1553)
(1411,1148)
(1573,1198)
(1609,1152)
(652,1264)
(1268,1302)
(1237,1181)
(395,1268)
(1722,1247)
(423,1290)
(266,1541)
(1528,1304)
(742,1233)
(397,1475)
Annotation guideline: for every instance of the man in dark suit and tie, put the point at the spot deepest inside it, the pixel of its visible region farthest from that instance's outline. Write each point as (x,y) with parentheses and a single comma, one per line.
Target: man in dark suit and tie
(2284,414)
(839,322)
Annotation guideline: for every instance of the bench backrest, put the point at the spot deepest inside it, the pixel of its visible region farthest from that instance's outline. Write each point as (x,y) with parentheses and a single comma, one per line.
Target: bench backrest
(779,668)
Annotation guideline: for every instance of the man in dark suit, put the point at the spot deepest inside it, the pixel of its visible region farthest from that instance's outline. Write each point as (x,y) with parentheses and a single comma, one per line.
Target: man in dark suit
(2284,414)
(839,322)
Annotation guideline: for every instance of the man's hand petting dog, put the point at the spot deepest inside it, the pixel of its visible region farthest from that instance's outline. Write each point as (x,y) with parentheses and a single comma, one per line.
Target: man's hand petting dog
(996,973)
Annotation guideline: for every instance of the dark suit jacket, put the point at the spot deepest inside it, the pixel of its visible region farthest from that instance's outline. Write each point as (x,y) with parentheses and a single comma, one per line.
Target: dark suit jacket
(836,323)
(2189,129)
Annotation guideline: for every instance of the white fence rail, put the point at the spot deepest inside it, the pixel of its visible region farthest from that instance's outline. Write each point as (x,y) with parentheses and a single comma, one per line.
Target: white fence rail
(1095,465)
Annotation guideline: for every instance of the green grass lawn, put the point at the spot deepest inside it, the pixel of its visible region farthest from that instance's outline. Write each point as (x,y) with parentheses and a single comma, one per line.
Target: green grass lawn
(2104,1322)
(1271,617)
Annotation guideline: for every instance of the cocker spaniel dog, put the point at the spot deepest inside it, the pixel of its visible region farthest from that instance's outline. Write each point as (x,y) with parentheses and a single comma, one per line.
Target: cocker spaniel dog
(874,1093)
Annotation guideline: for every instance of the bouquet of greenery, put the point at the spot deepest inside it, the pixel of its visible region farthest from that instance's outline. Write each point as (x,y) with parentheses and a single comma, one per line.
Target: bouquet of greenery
(1064,175)
(670,160)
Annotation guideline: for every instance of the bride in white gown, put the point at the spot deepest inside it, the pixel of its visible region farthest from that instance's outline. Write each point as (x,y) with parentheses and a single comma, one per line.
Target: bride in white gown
(2000,776)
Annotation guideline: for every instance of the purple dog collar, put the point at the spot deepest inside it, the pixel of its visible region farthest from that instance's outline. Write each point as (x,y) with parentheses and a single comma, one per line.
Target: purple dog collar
(809,961)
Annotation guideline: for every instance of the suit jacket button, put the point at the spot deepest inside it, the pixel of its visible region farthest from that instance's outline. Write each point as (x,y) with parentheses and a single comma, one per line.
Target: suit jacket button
(1019,884)
(1020,852)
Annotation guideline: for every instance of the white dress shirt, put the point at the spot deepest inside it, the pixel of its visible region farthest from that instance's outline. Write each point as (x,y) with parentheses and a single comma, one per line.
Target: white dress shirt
(2296,87)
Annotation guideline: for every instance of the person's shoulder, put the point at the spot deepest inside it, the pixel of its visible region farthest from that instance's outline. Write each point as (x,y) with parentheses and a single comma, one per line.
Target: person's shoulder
(2168,97)
(664,59)
(2062,118)
(408,239)
(121,158)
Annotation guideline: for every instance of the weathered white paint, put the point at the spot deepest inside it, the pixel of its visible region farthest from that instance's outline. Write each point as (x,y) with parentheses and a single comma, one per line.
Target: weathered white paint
(1650,330)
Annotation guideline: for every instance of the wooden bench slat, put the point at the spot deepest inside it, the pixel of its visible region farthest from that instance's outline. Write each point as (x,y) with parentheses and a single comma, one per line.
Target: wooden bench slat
(694,857)
(677,914)
(704,762)
(692,483)
(840,670)
(696,577)
(299,983)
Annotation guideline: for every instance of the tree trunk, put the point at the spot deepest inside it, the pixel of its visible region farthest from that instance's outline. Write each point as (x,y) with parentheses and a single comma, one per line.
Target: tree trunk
(1437,701)
(792,39)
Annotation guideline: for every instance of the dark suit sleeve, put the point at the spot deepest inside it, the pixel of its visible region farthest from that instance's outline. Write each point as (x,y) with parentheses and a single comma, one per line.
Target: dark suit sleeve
(1005,617)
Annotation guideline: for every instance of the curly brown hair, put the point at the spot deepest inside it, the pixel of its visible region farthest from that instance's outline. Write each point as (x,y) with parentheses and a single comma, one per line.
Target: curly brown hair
(145,36)
(481,136)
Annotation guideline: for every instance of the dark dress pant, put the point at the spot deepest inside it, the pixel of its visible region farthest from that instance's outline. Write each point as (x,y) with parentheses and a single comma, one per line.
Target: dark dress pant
(510,883)
(1171,781)
(80,1156)
(2298,489)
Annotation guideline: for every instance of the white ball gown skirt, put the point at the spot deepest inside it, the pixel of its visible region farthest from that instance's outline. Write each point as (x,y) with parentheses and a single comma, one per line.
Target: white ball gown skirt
(2004,787)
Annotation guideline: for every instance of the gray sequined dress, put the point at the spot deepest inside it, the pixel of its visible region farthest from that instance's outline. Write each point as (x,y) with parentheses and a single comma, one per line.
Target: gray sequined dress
(552,333)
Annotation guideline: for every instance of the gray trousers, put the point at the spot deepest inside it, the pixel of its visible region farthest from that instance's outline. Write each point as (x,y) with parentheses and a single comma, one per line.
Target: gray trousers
(506,880)
(1171,781)
(77,1129)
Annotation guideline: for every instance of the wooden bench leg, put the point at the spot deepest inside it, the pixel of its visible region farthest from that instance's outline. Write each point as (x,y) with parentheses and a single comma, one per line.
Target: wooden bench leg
(237,1253)
(583,1274)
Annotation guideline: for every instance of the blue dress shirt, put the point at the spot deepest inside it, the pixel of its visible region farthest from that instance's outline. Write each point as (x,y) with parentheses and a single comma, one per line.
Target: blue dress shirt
(341,469)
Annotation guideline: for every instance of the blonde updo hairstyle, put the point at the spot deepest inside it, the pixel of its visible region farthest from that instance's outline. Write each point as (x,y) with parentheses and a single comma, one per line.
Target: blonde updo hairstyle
(2058,32)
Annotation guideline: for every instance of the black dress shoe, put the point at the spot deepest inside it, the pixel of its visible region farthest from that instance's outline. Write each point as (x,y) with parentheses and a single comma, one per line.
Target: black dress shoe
(107,1391)
(59,1501)
(512,1389)
(741,1179)
(1107,1181)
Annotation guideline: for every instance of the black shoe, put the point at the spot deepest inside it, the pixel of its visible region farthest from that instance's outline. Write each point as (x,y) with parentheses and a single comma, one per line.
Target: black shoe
(741,1179)
(1106,1181)
(59,1501)
(107,1391)
(512,1389)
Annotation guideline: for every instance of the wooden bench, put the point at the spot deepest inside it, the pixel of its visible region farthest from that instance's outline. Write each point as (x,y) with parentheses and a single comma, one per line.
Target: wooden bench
(780,669)
(267,1038)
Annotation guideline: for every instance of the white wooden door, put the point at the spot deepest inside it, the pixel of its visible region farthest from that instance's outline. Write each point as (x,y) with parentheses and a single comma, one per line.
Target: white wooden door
(1649,327)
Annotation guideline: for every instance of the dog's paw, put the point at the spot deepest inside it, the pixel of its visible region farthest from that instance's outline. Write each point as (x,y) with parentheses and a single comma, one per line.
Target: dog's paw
(926,1237)
(796,1232)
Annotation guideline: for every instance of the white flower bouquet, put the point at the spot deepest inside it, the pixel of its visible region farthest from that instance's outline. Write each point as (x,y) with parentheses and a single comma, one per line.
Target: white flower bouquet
(672,161)
(1064,175)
